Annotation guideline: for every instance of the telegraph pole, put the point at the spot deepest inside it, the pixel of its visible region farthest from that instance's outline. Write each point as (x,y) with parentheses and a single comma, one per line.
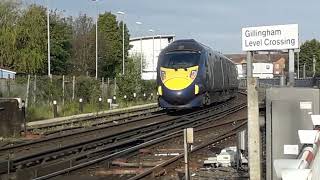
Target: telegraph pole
(314,65)
(48,33)
(291,67)
(97,41)
(253,123)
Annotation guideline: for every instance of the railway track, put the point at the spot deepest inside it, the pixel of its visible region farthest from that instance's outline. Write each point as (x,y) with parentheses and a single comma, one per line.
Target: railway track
(19,155)
(170,165)
(126,142)
(157,155)
(106,143)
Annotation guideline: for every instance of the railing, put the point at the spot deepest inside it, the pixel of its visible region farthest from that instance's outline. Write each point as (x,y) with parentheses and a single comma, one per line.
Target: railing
(275,82)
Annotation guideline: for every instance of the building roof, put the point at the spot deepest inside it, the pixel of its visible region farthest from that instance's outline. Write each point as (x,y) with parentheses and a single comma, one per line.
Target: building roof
(239,58)
(7,71)
(151,37)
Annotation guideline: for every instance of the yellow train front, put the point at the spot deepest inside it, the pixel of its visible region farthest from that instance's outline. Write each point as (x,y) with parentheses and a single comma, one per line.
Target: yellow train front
(186,75)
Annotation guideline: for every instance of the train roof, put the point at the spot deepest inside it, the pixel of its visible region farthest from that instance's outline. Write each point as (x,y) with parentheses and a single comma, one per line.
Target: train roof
(190,45)
(184,45)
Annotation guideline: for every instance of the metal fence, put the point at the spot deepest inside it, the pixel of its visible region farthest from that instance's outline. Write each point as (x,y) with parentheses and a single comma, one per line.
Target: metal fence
(274,82)
(38,89)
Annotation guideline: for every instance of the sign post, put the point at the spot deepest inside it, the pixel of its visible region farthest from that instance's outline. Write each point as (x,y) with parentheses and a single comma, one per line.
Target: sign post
(256,39)
(279,37)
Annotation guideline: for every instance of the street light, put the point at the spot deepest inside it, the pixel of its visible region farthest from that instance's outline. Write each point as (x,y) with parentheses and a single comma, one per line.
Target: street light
(122,13)
(140,23)
(48,32)
(96,36)
(151,30)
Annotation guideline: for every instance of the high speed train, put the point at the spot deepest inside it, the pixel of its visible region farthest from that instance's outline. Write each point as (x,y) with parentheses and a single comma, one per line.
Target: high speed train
(190,74)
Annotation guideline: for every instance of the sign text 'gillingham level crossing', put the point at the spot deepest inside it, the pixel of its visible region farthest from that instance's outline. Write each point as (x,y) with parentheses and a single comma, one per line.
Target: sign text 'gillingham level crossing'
(270,37)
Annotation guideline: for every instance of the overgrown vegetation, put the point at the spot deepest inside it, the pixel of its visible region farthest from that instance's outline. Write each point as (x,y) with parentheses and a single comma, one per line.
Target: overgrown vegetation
(23,41)
(309,50)
(23,48)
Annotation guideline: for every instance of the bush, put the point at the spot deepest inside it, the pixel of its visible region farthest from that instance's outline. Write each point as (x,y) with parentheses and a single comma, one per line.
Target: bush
(88,89)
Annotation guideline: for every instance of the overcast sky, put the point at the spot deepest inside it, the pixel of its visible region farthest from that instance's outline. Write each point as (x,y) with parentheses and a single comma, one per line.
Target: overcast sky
(214,23)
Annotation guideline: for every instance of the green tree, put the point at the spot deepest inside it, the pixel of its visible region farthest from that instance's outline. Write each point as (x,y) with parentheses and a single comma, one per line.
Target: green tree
(9,15)
(31,40)
(83,43)
(130,82)
(110,45)
(309,49)
(61,45)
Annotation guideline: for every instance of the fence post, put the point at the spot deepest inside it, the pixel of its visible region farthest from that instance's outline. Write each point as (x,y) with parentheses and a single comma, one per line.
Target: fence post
(108,85)
(115,86)
(35,89)
(28,86)
(102,87)
(62,89)
(73,86)
(55,109)
(100,103)
(81,105)
(8,87)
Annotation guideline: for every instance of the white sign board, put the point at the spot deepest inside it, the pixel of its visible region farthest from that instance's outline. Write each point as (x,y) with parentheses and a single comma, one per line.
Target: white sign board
(190,135)
(306,105)
(315,120)
(307,136)
(291,149)
(270,37)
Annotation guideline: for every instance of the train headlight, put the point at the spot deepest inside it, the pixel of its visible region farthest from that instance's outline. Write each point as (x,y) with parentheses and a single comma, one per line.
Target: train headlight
(163,75)
(193,74)
(160,90)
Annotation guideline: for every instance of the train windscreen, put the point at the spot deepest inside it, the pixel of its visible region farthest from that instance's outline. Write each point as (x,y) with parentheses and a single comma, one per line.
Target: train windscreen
(180,60)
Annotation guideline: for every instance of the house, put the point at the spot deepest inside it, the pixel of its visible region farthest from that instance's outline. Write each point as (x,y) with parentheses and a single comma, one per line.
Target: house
(263,64)
(6,74)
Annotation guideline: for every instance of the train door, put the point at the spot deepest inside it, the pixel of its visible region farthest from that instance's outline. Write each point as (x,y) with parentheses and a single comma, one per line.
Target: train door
(222,73)
(207,71)
(217,73)
(211,62)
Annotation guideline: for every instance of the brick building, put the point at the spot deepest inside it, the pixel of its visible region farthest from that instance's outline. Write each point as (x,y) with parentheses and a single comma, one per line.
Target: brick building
(279,61)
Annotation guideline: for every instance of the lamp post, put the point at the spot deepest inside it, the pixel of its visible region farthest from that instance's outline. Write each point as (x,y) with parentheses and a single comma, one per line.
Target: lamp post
(160,41)
(141,66)
(152,31)
(97,14)
(48,33)
(122,13)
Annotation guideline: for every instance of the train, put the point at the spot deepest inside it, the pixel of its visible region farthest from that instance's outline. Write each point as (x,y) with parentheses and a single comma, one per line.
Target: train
(192,75)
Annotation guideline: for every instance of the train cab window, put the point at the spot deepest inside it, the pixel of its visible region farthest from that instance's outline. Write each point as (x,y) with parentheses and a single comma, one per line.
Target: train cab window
(178,60)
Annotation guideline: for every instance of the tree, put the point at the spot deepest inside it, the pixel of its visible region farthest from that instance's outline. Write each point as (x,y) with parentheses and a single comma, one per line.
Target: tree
(61,46)
(31,40)
(9,15)
(308,50)
(110,45)
(83,43)
(130,82)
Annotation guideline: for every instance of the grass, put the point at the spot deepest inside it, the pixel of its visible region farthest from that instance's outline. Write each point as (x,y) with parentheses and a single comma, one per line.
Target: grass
(43,111)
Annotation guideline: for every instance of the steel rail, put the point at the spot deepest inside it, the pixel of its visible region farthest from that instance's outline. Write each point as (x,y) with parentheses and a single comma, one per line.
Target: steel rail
(23,145)
(163,165)
(151,141)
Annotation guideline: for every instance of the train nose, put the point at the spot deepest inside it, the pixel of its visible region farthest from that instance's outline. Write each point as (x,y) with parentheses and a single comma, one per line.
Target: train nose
(179,97)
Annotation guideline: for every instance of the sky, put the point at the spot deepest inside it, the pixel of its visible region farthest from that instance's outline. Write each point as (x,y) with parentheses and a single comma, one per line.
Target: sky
(216,23)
